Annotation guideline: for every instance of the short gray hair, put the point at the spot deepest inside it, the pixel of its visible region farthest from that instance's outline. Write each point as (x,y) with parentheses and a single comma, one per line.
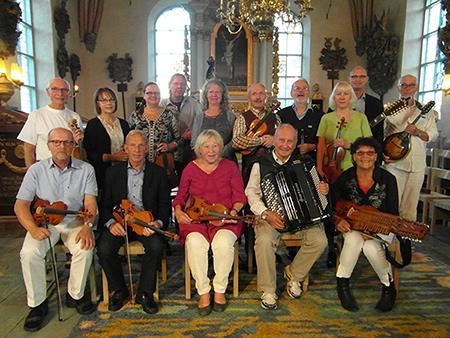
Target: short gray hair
(49,84)
(136,132)
(206,135)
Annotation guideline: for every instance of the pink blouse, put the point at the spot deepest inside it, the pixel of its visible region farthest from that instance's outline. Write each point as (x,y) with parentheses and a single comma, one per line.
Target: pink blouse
(224,185)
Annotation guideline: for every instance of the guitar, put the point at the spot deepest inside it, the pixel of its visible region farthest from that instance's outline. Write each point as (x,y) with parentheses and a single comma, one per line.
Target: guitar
(398,145)
(392,108)
(78,152)
(332,169)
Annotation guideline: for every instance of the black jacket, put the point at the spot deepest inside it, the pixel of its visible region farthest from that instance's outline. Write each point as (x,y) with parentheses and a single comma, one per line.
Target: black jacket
(155,191)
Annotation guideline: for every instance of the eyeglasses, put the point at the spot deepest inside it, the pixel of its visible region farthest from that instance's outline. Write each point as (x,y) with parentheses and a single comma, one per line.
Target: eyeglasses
(354,77)
(62,90)
(57,143)
(406,85)
(152,93)
(369,153)
(106,100)
(303,89)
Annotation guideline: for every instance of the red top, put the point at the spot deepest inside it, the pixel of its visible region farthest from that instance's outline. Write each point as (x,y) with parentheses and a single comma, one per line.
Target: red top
(224,185)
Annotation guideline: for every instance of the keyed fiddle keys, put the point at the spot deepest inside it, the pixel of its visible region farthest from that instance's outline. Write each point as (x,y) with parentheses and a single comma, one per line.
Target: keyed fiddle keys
(54,213)
(200,211)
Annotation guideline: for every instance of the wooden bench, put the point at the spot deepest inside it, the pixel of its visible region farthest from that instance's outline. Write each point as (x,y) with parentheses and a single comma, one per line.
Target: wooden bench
(440,210)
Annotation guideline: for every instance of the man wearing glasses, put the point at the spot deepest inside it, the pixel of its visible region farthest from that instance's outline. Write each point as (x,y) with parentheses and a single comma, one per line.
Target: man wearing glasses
(410,170)
(365,103)
(58,178)
(41,121)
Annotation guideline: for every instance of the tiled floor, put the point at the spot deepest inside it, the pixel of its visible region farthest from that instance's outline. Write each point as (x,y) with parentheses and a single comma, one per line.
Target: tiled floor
(13,307)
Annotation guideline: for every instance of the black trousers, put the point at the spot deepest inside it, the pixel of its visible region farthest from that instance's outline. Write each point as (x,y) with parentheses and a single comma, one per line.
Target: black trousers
(109,258)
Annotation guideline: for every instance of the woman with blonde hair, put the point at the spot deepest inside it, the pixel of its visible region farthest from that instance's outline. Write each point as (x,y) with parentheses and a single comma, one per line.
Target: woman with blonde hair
(215,180)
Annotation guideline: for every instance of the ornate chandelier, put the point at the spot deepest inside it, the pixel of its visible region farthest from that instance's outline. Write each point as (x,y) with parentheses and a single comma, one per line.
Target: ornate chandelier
(259,15)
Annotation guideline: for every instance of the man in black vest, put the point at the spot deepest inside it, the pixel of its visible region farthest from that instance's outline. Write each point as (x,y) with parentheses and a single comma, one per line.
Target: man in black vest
(253,146)
(367,104)
(303,117)
(267,234)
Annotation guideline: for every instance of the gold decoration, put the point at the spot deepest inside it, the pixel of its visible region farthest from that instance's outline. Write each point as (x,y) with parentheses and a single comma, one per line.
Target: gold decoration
(259,14)
(19,151)
(276,64)
(9,165)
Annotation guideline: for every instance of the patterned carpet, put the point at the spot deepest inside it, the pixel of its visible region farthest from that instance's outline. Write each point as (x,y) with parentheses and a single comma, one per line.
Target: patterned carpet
(422,308)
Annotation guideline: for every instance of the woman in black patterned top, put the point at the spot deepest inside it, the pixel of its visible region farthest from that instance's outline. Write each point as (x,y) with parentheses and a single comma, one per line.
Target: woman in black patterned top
(159,124)
(365,184)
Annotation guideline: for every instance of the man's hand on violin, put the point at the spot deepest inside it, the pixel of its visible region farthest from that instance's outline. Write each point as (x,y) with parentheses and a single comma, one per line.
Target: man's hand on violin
(86,236)
(343,226)
(267,141)
(39,233)
(274,219)
(78,135)
(148,232)
(117,229)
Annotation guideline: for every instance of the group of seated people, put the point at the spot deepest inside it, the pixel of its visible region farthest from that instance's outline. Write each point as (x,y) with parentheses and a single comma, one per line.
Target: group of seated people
(181,142)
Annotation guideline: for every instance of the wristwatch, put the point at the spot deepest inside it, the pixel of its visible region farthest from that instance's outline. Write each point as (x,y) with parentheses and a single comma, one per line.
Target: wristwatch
(90,225)
(264,215)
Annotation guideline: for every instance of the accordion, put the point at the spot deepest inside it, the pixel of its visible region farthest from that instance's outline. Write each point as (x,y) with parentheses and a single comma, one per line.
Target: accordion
(292,193)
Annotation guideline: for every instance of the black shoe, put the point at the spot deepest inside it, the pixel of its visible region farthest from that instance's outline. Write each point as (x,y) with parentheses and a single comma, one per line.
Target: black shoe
(218,307)
(84,305)
(206,310)
(36,317)
(345,295)
(387,299)
(148,303)
(117,299)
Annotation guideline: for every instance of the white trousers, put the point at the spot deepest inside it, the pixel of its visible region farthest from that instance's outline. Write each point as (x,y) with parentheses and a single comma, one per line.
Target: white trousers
(222,247)
(354,243)
(409,185)
(32,258)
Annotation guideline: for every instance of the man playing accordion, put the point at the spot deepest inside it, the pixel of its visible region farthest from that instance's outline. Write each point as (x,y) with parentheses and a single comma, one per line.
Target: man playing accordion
(267,232)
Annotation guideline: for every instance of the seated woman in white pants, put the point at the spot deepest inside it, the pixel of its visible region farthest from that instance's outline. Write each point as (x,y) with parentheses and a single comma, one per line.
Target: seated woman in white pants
(365,184)
(216,180)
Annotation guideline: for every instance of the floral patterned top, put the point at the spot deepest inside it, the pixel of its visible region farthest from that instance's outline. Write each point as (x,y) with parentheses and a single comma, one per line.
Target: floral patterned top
(383,195)
(164,129)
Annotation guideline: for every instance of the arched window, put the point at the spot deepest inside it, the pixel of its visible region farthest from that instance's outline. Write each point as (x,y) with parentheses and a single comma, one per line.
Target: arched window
(431,61)
(170,45)
(291,58)
(26,59)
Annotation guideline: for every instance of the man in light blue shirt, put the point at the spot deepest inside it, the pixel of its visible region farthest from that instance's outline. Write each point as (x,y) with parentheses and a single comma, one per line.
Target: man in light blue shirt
(58,178)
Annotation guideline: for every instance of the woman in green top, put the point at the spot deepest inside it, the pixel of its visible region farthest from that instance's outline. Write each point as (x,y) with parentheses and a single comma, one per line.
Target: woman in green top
(355,124)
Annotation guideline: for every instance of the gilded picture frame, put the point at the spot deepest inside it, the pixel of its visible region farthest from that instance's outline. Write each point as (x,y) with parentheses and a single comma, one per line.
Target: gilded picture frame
(233,54)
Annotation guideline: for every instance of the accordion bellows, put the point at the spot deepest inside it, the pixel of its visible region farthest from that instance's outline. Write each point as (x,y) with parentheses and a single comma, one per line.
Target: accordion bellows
(292,193)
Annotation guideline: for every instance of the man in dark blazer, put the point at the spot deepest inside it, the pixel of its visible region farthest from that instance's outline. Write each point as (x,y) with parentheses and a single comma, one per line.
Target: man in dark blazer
(146,186)
(367,104)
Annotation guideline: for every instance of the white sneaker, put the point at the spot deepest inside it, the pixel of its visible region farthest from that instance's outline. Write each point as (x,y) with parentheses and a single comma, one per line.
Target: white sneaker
(269,301)
(293,288)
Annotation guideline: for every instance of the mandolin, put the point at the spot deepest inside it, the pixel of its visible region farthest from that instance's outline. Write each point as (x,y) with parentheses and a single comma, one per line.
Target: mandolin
(390,109)
(398,145)
(335,155)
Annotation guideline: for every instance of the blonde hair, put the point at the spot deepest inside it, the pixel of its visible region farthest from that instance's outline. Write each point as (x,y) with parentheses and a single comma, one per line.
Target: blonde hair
(206,135)
(347,88)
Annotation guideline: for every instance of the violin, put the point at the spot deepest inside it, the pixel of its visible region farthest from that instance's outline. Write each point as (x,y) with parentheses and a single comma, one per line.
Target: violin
(335,155)
(200,211)
(54,213)
(78,152)
(166,161)
(258,127)
(138,220)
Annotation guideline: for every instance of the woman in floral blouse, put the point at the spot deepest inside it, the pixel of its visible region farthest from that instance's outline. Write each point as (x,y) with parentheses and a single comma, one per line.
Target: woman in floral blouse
(365,184)
(160,126)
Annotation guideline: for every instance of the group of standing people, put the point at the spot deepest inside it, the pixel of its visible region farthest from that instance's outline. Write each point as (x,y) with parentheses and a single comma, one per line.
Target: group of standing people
(197,143)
